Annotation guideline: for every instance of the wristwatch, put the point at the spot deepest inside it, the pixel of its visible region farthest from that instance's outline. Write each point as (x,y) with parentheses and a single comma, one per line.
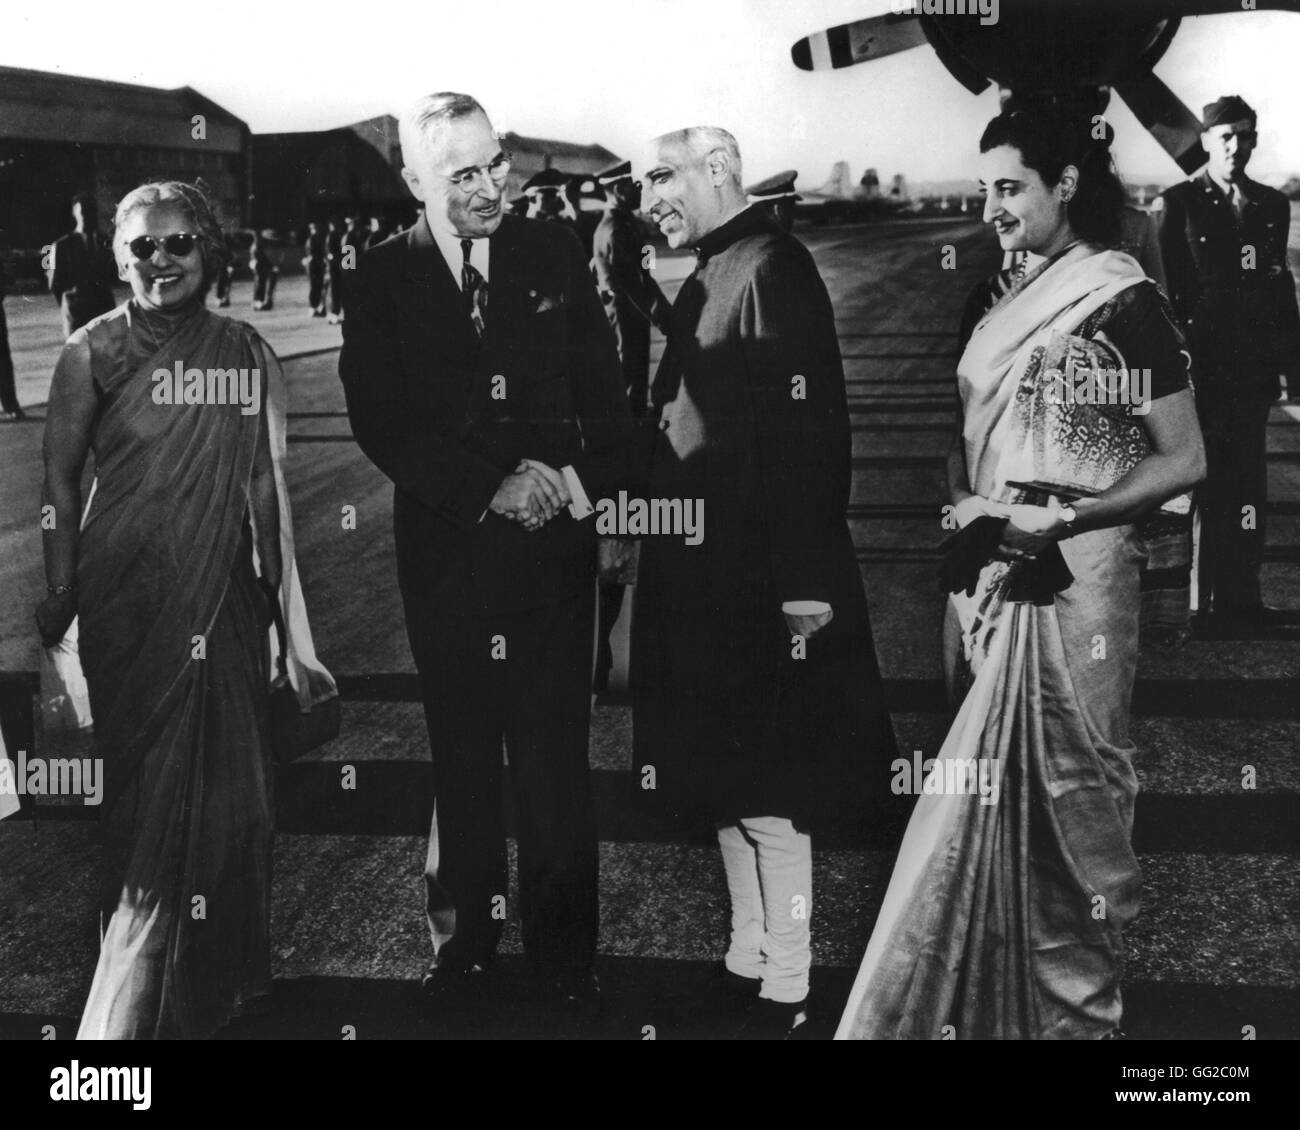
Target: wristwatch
(1069,515)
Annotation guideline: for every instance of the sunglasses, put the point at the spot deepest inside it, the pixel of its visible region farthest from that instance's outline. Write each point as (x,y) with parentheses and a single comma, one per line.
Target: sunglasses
(177,245)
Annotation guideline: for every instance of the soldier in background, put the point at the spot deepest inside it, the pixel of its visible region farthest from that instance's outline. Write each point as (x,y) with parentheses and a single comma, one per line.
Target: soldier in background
(226,272)
(334,246)
(315,262)
(587,199)
(547,199)
(379,231)
(633,303)
(265,274)
(1223,238)
(82,271)
(10,409)
(777,197)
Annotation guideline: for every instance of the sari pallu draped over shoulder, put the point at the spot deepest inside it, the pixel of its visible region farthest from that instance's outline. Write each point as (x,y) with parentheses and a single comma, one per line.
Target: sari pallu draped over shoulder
(1004,913)
(173,643)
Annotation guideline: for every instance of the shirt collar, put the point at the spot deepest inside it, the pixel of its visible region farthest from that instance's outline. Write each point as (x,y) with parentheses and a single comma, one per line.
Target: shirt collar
(747,222)
(449,244)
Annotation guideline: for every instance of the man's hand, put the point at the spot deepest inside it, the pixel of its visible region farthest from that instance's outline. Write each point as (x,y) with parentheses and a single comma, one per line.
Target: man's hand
(54,616)
(531,496)
(808,626)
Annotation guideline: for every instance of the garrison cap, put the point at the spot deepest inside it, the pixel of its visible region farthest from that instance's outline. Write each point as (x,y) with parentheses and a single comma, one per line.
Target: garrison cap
(548,180)
(615,172)
(778,187)
(1227,109)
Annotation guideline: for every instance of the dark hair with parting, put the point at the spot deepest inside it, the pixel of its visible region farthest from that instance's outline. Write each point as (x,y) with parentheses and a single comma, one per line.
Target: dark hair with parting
(1048,140)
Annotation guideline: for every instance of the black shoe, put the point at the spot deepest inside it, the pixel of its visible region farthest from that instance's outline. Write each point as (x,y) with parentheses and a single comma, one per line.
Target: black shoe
(772,1020)
(722,996)
(1116,1034)
(448,984)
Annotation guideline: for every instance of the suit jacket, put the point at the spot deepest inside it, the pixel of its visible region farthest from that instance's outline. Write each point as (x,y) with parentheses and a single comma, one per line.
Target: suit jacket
(1242,322)
(83,279)
(447,417)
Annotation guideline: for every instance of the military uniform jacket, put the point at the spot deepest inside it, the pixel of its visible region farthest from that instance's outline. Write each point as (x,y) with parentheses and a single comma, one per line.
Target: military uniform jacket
(1230,284)
(83,274)
(617,251)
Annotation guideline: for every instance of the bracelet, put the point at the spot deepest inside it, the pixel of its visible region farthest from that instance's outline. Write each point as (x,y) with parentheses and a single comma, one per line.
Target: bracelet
(60,590)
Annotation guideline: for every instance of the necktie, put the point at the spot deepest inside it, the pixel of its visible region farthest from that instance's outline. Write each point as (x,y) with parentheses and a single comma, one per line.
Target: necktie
(1238,201)
(474,287)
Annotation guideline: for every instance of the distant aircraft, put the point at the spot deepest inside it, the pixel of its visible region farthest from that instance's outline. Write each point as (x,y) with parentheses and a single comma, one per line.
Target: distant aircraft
(1066,52)
(839,200)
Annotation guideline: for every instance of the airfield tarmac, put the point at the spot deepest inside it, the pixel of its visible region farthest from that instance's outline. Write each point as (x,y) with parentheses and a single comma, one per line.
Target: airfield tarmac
(1215,949)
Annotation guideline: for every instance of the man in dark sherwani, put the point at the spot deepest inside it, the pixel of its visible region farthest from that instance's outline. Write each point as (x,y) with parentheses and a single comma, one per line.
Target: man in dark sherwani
(1223,238)
(756,691)
(82,270)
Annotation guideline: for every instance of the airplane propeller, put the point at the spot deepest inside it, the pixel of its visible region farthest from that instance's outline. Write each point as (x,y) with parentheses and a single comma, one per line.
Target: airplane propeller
(1070,50)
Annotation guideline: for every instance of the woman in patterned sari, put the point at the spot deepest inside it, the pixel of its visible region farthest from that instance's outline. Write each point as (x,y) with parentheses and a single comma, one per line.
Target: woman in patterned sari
(1004,913)
(185,543)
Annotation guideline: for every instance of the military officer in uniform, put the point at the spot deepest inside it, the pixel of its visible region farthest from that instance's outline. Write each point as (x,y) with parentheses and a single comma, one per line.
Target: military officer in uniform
(633,300)
(81,271)
(1223,238)
(633,303)
(777,197)
(547,199)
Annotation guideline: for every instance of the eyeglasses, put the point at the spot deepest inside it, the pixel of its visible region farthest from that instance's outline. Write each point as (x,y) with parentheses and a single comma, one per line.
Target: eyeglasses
(470,181)
(178,245)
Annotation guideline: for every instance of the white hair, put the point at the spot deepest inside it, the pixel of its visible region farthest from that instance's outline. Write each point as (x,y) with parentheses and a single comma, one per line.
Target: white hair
(423,117)
(701,141)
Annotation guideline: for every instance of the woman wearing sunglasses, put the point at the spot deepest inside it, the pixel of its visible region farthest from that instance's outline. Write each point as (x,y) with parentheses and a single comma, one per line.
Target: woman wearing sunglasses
(185,542)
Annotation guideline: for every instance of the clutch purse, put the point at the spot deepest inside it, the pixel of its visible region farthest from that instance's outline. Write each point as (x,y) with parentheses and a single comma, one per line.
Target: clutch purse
(295,731)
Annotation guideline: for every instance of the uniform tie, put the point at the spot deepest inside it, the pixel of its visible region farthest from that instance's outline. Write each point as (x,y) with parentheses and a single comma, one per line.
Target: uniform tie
(474,287)
(1237,199)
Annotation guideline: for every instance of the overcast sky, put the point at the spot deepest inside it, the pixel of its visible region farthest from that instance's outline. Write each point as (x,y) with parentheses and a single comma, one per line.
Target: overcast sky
(617,72)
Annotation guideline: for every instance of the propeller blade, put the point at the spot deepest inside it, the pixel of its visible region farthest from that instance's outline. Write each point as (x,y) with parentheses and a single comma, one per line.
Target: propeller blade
(857,42)
(1171,123)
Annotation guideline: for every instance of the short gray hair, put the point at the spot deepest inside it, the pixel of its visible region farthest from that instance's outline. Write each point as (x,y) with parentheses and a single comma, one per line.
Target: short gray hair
(425,115)
(700,141)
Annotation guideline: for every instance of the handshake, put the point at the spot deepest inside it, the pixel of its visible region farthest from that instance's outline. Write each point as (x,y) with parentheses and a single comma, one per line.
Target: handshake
(532,495)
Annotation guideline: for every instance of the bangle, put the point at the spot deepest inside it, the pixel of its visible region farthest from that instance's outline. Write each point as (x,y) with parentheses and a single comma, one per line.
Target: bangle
(60,590)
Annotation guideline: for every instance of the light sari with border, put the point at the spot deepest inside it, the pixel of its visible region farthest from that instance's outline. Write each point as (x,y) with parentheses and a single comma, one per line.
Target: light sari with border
(1004,913)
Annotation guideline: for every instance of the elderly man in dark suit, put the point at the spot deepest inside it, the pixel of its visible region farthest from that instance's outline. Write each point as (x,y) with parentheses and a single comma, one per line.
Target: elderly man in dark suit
(757,696)
(482,378)
(1223,238)
(82,270)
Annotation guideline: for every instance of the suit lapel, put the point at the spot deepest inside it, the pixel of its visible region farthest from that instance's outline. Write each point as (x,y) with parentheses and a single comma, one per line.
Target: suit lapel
(437,307)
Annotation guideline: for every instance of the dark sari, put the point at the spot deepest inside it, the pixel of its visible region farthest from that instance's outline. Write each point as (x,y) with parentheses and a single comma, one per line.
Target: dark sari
(173,643)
